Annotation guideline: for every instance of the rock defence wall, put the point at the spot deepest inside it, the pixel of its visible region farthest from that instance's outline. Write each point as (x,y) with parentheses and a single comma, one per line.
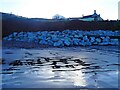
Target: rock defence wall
(67,37)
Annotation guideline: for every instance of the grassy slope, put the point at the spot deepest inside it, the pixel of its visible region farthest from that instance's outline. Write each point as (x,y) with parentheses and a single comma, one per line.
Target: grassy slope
(12,23)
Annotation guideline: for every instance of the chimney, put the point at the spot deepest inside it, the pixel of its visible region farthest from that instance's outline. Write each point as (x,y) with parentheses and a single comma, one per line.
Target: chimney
(82,15)
(94,11)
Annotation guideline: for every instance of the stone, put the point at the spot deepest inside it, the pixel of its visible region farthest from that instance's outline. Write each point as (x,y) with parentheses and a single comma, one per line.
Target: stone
(76,36)
(85,38)
(80,35)
(115,41)
(9,39)
(95,43)
(88,43)
(66,42)
(15,33)
(5,38)
(103,43)
(54,38)
(67,37)
(50,42)
(106,39)
(98,40)
(43,42)
(82,43)
(92,39)
(75,41)
(59,43)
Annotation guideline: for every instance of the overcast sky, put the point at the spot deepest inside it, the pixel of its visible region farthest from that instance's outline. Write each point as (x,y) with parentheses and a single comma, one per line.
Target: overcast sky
(108,9)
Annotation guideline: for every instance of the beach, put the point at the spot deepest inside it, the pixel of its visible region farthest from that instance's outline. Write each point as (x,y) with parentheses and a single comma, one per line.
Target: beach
(65,67)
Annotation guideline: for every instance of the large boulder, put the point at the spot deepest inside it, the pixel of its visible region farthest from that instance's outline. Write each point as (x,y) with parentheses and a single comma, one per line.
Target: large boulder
(80,35)
(58,44)
(82,43)
(66,42)
(15,34)
(76,36)
(98,40)
(75,41)
(50,42)
(106,40)
(42,37)
(43,42)
(85,38)
(54,38)
(92,39)
(103,43)
(114,42)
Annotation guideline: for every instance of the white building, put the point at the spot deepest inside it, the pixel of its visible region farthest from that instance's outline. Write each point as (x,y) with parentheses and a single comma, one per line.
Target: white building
(93,17)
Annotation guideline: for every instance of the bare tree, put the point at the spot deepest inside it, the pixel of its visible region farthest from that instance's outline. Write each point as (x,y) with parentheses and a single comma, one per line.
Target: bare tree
(57,17)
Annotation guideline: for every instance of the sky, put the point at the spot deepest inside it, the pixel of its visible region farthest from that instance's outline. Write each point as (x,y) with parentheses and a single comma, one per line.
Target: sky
(108,9)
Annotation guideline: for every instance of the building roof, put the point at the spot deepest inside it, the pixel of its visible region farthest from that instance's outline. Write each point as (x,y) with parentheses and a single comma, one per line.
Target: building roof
(88,16)
(91,16)
(94,15)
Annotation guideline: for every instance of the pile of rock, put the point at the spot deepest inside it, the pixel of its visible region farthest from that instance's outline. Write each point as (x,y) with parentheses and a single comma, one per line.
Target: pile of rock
(67,37)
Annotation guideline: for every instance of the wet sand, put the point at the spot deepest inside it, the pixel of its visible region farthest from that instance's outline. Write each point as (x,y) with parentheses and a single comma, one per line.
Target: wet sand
(68,67)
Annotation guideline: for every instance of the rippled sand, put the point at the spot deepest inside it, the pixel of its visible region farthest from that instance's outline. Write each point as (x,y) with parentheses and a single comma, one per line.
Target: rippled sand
(70,67)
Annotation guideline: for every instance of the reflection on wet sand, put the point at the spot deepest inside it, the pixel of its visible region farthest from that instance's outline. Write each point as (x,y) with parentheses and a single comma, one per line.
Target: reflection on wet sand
(59,71)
